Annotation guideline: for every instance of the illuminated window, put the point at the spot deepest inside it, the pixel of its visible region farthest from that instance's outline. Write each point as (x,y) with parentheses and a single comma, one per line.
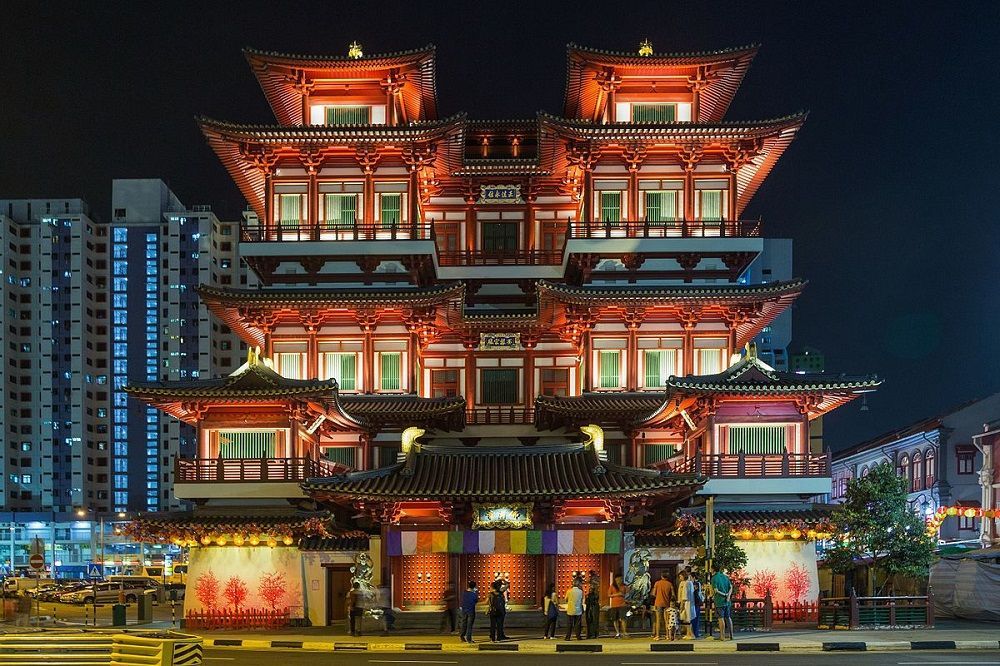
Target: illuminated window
(554,381)
(929,471)
(918,472)
(766,439)
(390,371)
(904,470)
(290,209)
(340,211)
(654,113)
(390,206)
(444,383)
(347,115)
(709,357)
(661,205)
(290,364)
(611,206)
(710,204)
(342,366)
(609,369)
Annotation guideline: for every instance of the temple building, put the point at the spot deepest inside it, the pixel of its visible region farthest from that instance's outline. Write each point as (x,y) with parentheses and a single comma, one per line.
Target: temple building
(485,349)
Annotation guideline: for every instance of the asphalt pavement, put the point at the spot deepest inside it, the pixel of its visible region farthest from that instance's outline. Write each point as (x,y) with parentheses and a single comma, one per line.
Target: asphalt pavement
(244,657)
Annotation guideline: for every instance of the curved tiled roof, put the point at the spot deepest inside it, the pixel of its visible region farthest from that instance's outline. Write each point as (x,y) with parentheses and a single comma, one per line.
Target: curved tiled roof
(413,297)
(664,294)
(501,473)
(668,58)
(618,409)
(751,376)
(283,134)
(389,59)
(250,382)
(381,412)
(727,129)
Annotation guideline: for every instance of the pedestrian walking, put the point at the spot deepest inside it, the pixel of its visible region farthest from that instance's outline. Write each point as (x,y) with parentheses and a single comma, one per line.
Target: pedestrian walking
(574,609)
(685,594)
(551,610)
(722,592)
(616,611)
(448,599)
(384,603)
(663,594)
(697,600)
(469,600)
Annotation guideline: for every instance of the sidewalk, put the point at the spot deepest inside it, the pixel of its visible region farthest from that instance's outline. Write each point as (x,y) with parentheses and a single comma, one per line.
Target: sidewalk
(948,635)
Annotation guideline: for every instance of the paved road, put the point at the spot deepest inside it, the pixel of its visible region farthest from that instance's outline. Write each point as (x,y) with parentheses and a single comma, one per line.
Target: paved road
(224,656)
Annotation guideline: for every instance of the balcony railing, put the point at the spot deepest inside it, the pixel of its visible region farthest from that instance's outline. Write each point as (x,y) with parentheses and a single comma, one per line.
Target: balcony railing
(499,415)
(500,258)
(224,470)
(257,233)
(671,229)
(754,466)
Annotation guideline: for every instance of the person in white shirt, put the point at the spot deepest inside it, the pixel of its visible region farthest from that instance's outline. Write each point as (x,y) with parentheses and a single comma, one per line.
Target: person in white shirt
(574,609)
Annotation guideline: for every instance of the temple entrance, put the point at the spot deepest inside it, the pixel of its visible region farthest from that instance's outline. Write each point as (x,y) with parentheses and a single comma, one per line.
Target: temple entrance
(338,584)
(425,578)
(520,571)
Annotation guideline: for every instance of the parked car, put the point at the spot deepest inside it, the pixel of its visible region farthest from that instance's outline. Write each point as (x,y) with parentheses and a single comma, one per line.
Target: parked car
(54,593)
(109,592)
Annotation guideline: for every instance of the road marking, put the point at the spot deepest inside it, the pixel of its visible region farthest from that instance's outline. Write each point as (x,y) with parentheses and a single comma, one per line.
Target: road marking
(409,661)
(665,663)
(219,658)
(946,662)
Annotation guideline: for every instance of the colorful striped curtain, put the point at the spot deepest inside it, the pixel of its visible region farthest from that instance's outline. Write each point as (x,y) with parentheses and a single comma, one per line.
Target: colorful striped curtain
(519,542)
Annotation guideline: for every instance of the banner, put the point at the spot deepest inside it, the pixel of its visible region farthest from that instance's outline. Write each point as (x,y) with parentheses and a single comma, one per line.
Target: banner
(518,542)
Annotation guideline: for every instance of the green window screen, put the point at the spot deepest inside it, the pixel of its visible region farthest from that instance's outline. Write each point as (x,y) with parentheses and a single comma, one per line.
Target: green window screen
(340,211)
(661,206)
(659,365)
(500,236)
(654,453)
(345,455)
(290,210)
(390,371)
(654,113)
(757,440)
(246,444)
(499,386)
(391,209)
(609,369)
(611,206)
(343,368)
(709,361)
(348,115)
(711,204)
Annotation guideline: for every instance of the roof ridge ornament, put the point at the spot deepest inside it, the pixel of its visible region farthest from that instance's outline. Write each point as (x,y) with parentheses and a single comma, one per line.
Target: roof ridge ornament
(354,51)
(645,48)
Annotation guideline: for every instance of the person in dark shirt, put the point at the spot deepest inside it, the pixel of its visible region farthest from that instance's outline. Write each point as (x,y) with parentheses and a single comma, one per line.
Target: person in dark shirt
(448,600)
(469,600)
(497,610)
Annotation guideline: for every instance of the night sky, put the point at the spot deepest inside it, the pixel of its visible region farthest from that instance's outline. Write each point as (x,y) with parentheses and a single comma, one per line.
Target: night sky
(890,192)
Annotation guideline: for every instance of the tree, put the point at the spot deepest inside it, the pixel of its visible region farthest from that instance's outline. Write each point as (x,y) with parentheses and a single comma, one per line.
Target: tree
(272,588)
(765,582)
(207,590)
(796,581)
(235,592)
(728,555)
(875,527)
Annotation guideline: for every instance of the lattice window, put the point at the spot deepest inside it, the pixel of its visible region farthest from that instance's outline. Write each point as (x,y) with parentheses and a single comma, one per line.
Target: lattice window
(554,381)
(654,113)
(609,368)
(290,364)
(661,206)
(246,444)
(567,566)
(519,570)
(444,383)
(500,236)
(654,453)
(425,578)
(611,206)
(710,204)
(757,439)
(390,209)
(659,365)
(499,386)
(390,371)
(340,211)
(345,455)
(342,366)
(348,115)
(291,209)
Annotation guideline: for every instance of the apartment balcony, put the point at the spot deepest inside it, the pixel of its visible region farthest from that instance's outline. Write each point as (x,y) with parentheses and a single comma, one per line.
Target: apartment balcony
(756,474)
(234,478)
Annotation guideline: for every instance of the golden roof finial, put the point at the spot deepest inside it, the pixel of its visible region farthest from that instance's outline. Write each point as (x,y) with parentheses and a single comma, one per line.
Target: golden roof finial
(253,356)
(354,50)
(645,48)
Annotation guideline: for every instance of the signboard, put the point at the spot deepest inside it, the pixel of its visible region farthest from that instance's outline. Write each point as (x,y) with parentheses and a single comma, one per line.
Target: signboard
(500,194)
(4,570)
(501,516)
(95,570)
(499,342)
(37,562)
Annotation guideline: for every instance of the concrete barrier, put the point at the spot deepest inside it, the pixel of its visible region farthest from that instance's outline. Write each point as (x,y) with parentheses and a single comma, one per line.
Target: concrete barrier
(87,646)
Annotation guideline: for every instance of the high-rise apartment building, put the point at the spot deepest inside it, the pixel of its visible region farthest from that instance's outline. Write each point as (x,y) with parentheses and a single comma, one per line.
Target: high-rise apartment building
(87,307)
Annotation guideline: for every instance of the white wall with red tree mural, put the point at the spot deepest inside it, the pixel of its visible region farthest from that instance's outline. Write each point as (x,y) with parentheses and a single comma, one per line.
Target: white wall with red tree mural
(786,569)
(245,577)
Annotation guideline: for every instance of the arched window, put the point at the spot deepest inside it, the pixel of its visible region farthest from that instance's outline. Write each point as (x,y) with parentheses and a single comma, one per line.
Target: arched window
(904,470)
(864,471)
(918,472)
(930,472)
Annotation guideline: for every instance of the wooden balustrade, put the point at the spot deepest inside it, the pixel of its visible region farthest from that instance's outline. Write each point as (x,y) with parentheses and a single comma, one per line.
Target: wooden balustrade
(499,415)
(216,470)
(500,258)
(754,466)
(306,231)
(668,229)
(853,612)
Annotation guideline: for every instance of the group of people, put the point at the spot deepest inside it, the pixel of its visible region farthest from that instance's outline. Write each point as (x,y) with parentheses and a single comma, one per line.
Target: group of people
(676,609)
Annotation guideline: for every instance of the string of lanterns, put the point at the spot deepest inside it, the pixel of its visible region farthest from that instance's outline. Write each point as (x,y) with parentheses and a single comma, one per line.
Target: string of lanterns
(935,520)
(218,533)
(762,530)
